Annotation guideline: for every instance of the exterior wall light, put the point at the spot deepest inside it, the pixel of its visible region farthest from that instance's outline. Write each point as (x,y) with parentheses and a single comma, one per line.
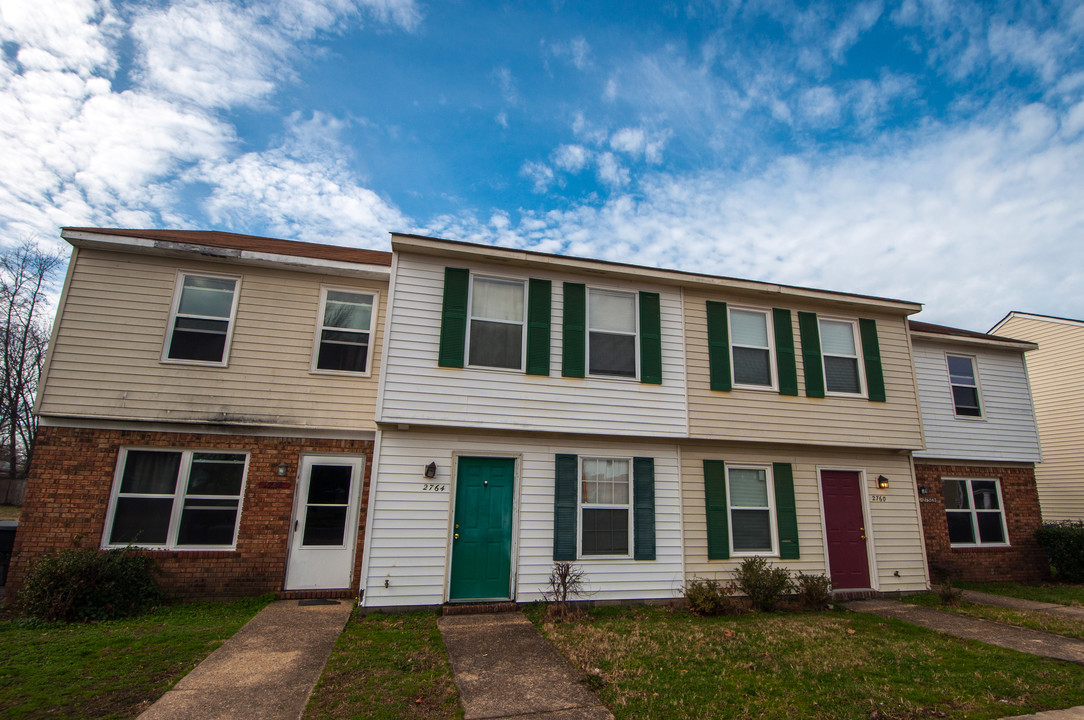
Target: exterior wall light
(923,490)
(282,468)
(882,481)
(431,470)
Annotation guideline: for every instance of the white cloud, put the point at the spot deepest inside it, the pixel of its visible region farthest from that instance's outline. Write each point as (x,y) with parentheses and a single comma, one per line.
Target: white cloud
(861,18)
(576,51)
(571,158)
(820,106)
(611,172)
(506,83)
(502,119)
(609,93)
(540,174)
(61,35)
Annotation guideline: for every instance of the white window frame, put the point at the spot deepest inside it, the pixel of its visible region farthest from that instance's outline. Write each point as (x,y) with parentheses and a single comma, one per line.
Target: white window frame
(470,320)
(978,388)
(636,333)
(773,524)
(230,323)
(770,329)
(859,360)
(320,327)
(580,505)
(179,496)
(972,511)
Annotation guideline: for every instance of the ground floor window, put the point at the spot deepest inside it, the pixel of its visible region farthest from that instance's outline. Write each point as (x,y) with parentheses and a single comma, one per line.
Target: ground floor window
(749,496)
(605,497)
(176,499)
(974,511)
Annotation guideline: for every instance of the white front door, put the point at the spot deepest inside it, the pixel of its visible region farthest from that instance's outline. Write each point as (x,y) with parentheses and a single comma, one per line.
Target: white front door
(325,527)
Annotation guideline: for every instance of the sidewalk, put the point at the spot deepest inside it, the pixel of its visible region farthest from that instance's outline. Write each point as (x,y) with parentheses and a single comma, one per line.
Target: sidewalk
(266,671)
(504,668)
(986,631)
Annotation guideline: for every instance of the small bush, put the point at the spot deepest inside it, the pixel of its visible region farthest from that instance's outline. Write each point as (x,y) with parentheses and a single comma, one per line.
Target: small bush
(948,594)
(814,591)
(1064,545)
(566,582)
(764,585)
(83,585)
(708,597)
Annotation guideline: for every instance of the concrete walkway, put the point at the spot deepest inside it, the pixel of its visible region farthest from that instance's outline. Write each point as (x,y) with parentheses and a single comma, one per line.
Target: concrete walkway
(504,668)
(266,671)
(981,598)
(985,631)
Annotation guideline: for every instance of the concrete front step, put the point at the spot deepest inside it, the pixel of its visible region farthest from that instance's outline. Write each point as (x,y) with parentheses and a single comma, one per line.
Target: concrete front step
(478,608)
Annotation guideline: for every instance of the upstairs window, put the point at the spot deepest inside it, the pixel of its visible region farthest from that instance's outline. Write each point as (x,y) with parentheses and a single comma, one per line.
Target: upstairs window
(611,333)
(839,348)
(965,386)
(751,348)
(605,497)
(202,319)
(345,335)
(973,510)
(176,499)
(496,336)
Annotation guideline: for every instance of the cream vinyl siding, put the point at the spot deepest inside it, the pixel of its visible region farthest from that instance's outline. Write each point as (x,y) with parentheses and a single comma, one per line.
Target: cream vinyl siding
(767,416)
(1006,431)
(409,528)
(894,530)
(417,391)
(106,358)
(1057,386)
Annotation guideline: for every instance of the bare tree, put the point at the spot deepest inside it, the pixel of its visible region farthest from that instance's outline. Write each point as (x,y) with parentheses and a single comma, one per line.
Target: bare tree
(26,275)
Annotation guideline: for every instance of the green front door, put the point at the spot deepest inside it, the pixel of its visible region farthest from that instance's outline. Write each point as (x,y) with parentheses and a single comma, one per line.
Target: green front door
(482,537)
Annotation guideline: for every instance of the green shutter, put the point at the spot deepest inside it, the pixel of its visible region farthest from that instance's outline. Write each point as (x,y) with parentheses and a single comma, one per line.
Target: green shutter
(453,318)
(574,330)
(715,505)
(650,340)
(784,352)
(786,515)
(566,468)
(871,353)
(643,507)
(538,327)
(811,354)
(718,346)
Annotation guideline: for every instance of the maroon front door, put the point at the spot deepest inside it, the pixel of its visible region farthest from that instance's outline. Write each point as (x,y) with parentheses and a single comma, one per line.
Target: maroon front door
(841,492)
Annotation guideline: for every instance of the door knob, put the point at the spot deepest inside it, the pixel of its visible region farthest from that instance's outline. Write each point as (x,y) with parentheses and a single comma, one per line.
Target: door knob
(863,537)
(457,536)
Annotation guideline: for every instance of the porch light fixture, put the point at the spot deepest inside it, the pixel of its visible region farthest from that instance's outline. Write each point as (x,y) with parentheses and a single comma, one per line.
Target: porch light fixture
(282,468)
(882,481)
(431,470)
(923,490)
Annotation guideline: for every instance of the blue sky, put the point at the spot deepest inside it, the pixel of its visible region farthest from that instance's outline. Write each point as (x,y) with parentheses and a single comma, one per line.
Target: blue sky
(921,149)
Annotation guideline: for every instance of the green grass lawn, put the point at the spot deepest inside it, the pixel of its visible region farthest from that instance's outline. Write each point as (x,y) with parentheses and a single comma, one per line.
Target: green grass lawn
(1060,593)
(653,662)
(387,666)
(111,669)
(1034,619)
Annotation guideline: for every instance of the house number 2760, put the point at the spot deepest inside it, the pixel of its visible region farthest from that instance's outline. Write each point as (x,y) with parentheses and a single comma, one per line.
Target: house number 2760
(433,487)
(878,498)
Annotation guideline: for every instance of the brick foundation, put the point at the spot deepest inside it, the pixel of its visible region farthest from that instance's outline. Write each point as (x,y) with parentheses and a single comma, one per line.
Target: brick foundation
(1023,561)
(67,498)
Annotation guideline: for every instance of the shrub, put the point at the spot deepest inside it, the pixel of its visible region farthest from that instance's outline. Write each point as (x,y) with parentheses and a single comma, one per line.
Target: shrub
(948,594)
(1064,545)
(814,591)
(565,584)
(707,597)
(83,584)
(764,585)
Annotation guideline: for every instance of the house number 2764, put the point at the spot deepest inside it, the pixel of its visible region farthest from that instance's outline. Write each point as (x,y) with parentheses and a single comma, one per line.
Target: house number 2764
(433,487)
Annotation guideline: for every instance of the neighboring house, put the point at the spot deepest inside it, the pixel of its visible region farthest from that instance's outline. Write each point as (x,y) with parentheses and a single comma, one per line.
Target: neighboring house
(1057,384)
(648,425)
(976,476)
(209,397)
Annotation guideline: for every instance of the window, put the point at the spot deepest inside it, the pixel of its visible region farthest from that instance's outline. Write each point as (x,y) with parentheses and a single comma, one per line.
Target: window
(202,317)
(973,508)
(176,499)
(611,348)
(842,371)
(751,348)
(604,506)
(345,333)
(496,334)
(965,386)
(749,493)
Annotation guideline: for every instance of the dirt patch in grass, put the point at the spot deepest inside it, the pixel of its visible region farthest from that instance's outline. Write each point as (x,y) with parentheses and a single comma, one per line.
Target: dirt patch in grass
(664,663)
(111,669)
(387,667)
(1033,619)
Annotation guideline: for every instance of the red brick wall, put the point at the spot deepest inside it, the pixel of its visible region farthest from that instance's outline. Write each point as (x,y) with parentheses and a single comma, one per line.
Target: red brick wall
(67,498)
(1022,561)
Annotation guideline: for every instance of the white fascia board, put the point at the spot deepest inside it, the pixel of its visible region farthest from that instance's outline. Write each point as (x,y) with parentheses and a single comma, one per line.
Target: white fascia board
(1019,347)
(247,257)
(1042,318)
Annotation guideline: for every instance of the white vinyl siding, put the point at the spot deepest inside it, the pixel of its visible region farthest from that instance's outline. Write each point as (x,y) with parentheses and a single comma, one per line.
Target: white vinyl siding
(409,527)
(106,359)
(1007,430)
(416,390)
(895,542)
